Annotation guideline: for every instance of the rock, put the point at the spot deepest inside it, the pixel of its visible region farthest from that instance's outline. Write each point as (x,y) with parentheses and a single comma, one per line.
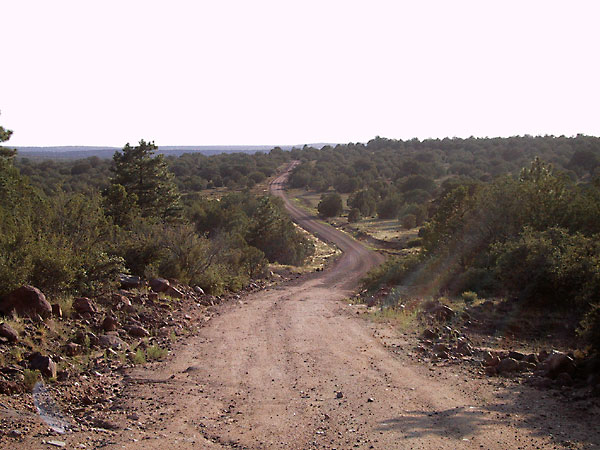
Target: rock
(26,301)
(15,434)
(526,366)
(8,332)
(174,292)
(44,364)
(56,443)
(57,310)
(564,379)
(153,296)
(339,395)
(490,360)
(429,334)
(199,290)
(92,338)
(137,331)
(532,358)
(541,383)
(163,332)
(465,349)
(62,375)
(110,323)
(159,284)
(442,312)
(105,424)
(440,349)
(370,400)
(83,305)
(491,371)
(110,341)
(11,387)
(542,355)
(558,363)
(72,349)
(508,365)
(516,355)
(129,282)
(119,299)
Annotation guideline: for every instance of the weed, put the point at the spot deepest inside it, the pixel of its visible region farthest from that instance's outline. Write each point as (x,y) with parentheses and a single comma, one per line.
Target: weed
(30,378)
(139,357)
(469,297)
(154,352)
(16,353)
(66,305)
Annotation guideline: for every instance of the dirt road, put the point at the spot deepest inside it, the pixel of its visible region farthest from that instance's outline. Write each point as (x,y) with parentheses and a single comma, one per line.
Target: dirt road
(294,368)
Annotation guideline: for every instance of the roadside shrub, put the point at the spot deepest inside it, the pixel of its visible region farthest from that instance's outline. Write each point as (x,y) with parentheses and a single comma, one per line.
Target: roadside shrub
(589,327)
(354,215)
(392,272)
(469,296)
(389,207)
(138,357)
(330,205)
(154,352)
(408,221)
(552,265)
(30,378)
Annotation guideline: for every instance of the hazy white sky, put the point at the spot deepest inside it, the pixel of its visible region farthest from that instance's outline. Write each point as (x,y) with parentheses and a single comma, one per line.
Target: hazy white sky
(292,72)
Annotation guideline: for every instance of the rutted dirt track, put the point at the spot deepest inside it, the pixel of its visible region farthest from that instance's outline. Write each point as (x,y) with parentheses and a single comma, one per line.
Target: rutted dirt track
(265,373)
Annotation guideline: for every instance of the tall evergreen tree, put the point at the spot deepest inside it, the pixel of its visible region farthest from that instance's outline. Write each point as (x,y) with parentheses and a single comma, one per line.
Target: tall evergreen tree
(146,176)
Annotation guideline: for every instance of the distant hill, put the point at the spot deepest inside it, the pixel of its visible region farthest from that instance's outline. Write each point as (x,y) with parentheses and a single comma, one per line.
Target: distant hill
(80,152)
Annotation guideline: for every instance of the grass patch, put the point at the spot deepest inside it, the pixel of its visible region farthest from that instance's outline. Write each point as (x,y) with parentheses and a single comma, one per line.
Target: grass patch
(139,357)
(154,353)
(30,378)
(469,297)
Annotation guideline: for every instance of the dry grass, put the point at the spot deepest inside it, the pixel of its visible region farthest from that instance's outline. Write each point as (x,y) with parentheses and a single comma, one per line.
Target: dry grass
(385,230)
(309,200)
(390,230)
(324,253)
(155,353)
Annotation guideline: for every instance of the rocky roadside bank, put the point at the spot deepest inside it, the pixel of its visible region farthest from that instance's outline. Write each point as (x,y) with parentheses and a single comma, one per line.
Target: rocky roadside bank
(64,366)
(557,382)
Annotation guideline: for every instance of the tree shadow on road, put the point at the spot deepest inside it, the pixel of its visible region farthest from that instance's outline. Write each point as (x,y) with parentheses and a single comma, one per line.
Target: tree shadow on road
(541,414)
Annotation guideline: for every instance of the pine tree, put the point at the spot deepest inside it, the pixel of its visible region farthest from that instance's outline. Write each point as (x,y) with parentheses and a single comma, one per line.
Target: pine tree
(147,177)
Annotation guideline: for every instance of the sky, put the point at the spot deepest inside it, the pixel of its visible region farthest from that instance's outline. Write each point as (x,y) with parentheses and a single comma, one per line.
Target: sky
(292,72)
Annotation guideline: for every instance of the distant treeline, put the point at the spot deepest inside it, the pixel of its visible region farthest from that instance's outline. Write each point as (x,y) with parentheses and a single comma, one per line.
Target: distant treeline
(82,152)
(382,165)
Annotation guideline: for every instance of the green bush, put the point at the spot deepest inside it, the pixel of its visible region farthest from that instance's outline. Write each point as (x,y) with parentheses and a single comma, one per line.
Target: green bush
(330,205)
(394,271)
(469,296)
(389,207)
(409,221)
(550,265)
(589,328)
(354,215)
(30,378)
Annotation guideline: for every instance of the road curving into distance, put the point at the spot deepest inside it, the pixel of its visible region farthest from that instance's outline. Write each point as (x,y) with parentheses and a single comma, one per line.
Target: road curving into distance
(356,259)
(293,367)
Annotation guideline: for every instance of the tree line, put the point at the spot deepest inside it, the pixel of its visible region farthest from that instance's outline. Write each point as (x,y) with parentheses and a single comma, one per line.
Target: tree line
(132,219)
